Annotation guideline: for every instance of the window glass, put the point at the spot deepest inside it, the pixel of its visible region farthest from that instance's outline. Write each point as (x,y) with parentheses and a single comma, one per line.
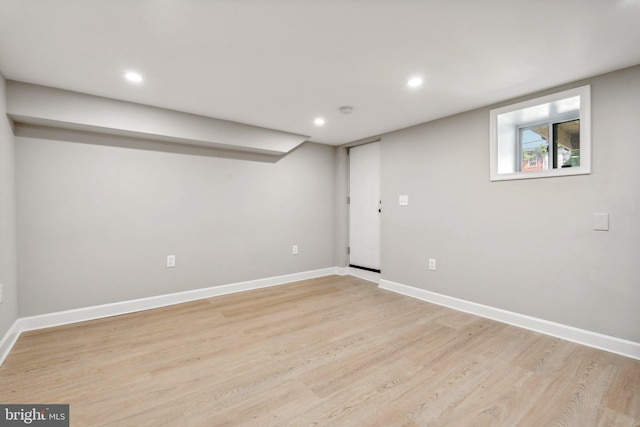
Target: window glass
(534,146)
(542,137)
(566,143)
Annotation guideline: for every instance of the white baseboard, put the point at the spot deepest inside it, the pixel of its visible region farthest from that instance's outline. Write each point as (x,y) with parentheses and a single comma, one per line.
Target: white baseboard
(8,341)
(371,276)
(106,310)
(342,271)
(591,339)
(580,336)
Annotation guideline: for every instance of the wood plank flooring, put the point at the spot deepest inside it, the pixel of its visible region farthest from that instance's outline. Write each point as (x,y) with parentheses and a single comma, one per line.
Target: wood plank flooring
(334,351)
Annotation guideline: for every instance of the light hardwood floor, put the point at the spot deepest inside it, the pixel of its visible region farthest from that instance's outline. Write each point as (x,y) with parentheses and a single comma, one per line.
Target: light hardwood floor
(332,351)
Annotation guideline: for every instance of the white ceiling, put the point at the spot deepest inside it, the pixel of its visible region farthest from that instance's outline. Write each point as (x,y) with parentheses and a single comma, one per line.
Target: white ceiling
(281,63)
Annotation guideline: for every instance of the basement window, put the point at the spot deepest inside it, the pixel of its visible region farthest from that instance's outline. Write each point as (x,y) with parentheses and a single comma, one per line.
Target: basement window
(542,137)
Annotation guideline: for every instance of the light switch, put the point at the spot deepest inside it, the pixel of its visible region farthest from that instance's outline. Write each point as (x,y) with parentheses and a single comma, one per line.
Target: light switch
(601,222)
(403,200)
(171,261)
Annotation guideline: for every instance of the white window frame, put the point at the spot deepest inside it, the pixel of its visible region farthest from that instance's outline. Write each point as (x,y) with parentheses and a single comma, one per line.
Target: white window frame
(506,121)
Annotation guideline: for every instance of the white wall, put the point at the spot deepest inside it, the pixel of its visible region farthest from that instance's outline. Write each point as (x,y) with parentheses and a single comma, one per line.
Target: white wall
(9,307)
(97,218)
(524,246)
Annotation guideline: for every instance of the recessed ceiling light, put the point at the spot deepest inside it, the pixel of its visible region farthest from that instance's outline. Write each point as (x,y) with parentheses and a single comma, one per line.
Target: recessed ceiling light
(414,82)
(319,121)
(133,77)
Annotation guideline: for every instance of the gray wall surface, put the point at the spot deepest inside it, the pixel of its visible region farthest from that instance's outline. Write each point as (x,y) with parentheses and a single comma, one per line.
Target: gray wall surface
(97,216)
(340,256)
(97,219)
(526,246)
(9,307)
(34,104)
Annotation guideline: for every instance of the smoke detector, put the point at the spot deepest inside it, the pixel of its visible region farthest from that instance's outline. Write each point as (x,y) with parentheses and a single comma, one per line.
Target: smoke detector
(346,110)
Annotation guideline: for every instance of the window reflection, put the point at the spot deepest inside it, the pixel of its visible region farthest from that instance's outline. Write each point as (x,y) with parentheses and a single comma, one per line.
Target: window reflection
(566,143)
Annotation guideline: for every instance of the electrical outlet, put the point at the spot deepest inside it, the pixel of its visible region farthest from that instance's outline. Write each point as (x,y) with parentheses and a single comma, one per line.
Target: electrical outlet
(294,250)
(601,222)
(171,261)
(432,264)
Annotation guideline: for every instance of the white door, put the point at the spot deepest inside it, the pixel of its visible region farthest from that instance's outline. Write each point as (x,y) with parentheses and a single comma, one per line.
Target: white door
(364,206)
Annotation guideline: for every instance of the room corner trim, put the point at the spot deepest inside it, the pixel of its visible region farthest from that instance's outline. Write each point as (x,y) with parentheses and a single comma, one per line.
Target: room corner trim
(8,340)
(342,271)
(580,336)
(371,276)
(106,310)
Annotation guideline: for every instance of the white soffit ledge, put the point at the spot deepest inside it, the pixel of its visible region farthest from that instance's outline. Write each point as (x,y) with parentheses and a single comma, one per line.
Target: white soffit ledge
(46,106)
